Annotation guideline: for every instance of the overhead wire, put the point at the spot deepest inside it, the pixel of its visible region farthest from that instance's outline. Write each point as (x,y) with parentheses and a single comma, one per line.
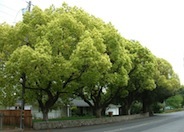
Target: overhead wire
(5,13)
(7,7)
(16,16)
(8,15)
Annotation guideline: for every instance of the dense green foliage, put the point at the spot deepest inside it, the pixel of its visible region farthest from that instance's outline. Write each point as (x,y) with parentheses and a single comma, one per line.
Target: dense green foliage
(175,101)
(66,53)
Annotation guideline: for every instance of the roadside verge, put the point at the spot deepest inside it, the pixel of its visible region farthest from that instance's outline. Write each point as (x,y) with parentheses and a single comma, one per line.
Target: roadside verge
(84,122)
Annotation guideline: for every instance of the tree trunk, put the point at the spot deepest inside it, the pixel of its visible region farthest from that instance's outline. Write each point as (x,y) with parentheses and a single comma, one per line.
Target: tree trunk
(103,111)
(145,106)
(45,114)
(98,112)
(129,111)
(46,105)
(127,108)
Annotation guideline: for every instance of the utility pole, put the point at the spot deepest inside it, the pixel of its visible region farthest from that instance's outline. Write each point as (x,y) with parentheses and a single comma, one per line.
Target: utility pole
(22,81)
(29,6)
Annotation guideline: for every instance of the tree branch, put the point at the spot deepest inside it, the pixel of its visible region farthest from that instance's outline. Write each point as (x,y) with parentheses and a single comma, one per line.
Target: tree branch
(81,94)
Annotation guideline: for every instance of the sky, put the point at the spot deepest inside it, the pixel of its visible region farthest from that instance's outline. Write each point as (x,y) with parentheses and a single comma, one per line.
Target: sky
(157,24)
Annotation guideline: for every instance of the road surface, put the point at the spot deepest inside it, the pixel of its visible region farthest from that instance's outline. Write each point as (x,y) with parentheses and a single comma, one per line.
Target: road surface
(172,122)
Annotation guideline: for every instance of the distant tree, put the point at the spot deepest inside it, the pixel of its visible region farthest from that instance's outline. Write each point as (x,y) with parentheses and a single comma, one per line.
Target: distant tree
(167,83)
(175,101)
(180,92)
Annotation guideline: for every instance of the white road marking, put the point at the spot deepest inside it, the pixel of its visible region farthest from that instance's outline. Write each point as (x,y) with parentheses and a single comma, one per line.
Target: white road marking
(121,129)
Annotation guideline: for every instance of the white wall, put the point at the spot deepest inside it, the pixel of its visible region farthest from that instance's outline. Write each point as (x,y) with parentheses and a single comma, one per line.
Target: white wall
(114,110)
(53,114)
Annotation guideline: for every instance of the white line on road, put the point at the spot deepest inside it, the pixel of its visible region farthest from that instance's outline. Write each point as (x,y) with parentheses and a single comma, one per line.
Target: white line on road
(136,126)
(121,129)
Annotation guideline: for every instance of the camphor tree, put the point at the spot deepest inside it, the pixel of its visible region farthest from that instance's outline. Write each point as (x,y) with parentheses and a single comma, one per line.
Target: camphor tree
(141,76)
(105,78)
(166,77)
(55,49)
(7,37)
(181,92)
(167,83)
(45,40)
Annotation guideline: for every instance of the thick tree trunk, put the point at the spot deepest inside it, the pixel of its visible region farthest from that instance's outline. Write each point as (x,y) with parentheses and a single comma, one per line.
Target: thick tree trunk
(46,105)
(127,108)
(45,114)
(103,111)
(145,105)
(98,112)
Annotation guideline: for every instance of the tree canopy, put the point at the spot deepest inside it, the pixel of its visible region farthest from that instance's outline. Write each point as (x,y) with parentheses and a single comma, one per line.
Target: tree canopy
(65,53)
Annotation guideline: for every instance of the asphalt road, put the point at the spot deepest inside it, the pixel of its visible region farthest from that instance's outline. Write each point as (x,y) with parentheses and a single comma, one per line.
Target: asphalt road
(172,122)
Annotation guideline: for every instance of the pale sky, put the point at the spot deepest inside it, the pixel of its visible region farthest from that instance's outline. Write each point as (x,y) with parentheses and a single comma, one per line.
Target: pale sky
(156,24)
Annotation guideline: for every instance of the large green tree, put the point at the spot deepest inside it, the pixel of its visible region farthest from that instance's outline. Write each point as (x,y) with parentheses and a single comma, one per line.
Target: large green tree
(167,83)
(58,48)
(141,75)
(41,62)
(102,82)
(7,46)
